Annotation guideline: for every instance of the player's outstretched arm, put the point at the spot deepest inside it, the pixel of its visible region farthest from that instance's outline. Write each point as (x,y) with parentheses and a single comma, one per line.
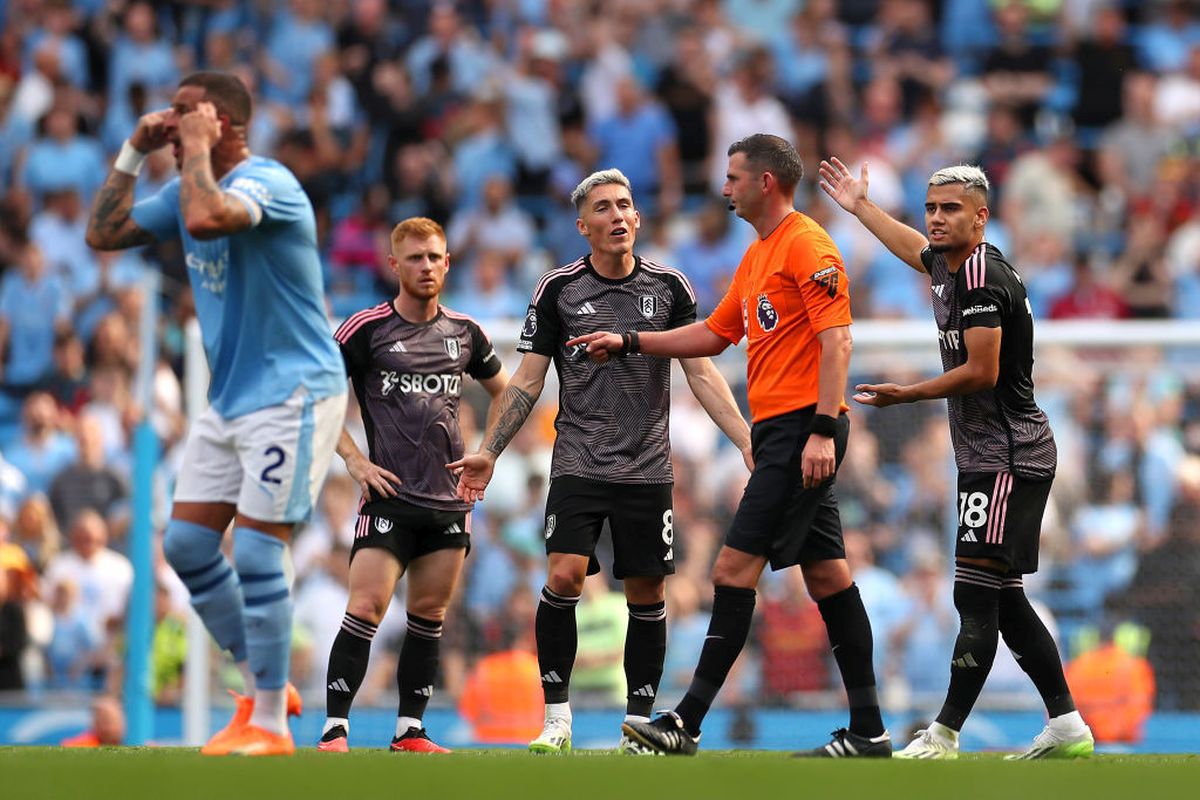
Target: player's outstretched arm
(690,341)
(111,225)
(979,374)
(208,211)
(710,388)
(506,415)
(851,194)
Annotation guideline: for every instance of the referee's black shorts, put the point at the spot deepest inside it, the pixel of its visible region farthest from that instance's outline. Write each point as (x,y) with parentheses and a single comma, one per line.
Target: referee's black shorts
(777,517)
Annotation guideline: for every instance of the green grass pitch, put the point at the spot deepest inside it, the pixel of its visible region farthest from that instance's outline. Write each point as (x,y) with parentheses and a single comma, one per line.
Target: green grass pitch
(29,773)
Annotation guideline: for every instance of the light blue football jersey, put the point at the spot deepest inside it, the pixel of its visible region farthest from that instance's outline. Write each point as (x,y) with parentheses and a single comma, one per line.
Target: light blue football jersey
(259,293)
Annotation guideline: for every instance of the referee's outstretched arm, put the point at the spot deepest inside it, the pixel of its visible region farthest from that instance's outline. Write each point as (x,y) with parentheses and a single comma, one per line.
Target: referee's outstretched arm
(690,341)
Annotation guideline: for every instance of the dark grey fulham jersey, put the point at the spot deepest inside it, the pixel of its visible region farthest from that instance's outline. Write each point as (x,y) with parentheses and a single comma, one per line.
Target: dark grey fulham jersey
(612,418)
(408,378)
(1000,429)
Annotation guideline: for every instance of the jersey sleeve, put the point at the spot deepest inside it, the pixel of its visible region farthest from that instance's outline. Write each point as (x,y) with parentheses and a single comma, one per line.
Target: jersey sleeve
(986,301)
(540,332)
(159,214)
(683,303)
(356,350)
(728,319)
(816,265)
(270,194)
(484,362)
(928,257)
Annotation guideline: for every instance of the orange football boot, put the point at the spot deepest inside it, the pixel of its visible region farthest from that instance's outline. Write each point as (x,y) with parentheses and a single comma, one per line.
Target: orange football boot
(243,708)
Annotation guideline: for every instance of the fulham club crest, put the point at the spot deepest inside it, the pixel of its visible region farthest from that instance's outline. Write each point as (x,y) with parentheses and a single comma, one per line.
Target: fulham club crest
(452,347)
(551,523)
(768,317)
(648,304)
(383,525)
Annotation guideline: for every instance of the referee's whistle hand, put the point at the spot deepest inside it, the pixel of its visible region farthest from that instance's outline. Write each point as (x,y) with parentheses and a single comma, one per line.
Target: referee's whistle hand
(818,461)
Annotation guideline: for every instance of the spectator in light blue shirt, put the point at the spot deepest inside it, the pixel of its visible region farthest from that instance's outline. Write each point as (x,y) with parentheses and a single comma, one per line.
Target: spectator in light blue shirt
(63,158)
(33,304)
(43,449)
(711,255)
(483,153)
(60,230)
(56,33)
(298,37)
(140,55)
(471,61)
(640,140)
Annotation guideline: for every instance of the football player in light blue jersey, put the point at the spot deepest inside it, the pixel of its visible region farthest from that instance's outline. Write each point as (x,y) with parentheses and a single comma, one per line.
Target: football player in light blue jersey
(258,454)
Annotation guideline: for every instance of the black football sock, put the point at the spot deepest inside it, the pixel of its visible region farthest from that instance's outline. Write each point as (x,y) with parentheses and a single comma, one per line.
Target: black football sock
(977,598)
(1033,647)
(417,669)
(645,650)
(557,639)
(347,665)
(849,632)
(733,611)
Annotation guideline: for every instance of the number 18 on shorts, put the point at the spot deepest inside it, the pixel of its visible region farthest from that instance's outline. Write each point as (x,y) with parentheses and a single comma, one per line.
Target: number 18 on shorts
(1000,517)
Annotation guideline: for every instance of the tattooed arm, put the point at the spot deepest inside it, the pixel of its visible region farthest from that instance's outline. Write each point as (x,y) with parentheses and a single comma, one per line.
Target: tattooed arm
(110,226)
(507,414)
(208,211)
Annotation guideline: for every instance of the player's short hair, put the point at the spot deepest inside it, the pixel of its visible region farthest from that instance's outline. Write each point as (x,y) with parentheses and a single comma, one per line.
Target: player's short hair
(971,177)
(417,228)
(774,154)
(601,178)
(226,92)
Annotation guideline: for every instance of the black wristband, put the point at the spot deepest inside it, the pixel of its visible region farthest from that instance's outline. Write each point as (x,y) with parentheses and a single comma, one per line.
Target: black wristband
(823,425)
(635,344)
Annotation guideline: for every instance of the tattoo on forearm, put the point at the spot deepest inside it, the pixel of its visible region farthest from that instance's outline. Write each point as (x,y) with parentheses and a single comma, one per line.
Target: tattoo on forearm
(515,405)
(110,223)
(197,184)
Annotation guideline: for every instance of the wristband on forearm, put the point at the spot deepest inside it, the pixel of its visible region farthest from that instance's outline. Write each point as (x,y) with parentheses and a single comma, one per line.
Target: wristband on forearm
(629,343)
(823,425)
(129,160)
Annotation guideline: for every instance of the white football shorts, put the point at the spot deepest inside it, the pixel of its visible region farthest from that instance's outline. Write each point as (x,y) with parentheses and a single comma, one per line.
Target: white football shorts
(270,463)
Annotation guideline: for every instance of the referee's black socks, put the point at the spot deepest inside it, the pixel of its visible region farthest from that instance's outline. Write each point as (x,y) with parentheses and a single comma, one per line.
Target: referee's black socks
(849,632)
(1027,638)
(977,598)
(733,610)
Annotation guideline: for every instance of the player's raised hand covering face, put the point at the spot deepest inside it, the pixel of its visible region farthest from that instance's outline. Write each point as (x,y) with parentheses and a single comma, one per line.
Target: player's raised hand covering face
(608,219)
(420,265)
(204,125)
(838,182)
(153,130)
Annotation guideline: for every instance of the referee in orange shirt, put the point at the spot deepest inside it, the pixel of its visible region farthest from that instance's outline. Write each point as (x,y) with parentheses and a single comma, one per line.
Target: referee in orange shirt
(790,299)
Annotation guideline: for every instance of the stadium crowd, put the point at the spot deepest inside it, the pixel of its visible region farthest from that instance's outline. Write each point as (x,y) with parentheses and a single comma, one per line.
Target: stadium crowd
(1085,115)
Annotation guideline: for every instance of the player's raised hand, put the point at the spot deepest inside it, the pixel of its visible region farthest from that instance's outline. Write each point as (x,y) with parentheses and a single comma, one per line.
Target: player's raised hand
(837,181)
(151,131)
(370,476)
(474,472)
(880,395)
(201,125)
(600,345)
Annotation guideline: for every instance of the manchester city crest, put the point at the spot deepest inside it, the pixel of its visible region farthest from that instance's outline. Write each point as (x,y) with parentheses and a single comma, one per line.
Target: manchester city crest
(452,347)
(768,317)
(648,304)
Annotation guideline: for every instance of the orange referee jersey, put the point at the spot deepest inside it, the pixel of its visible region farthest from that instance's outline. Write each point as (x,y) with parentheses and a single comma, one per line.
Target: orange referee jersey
(788,288)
